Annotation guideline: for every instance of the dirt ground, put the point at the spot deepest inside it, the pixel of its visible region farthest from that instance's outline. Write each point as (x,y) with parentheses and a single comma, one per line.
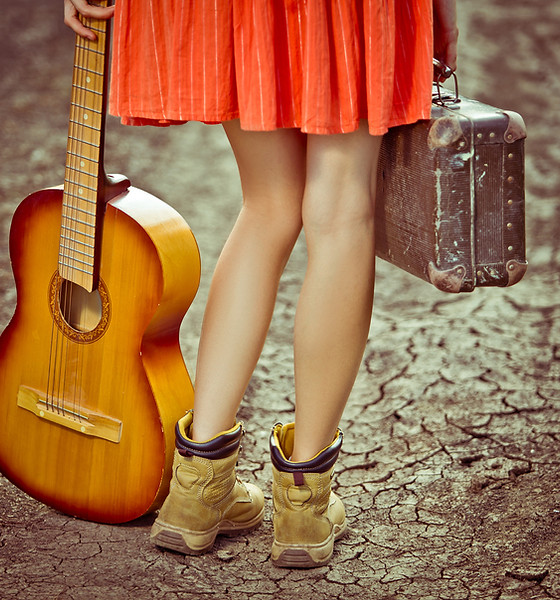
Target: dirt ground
(451,463)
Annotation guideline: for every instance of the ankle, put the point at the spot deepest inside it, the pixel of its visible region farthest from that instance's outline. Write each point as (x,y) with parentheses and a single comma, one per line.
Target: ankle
(201,434)
(303,455)
(282,446)
(306,449)
(202,431)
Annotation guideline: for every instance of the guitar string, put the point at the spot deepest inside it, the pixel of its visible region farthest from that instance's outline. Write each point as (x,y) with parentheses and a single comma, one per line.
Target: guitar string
(62,289)
(76,138)
(98,72)
(83,91)
(62,351)
(60,300)
(80,354)
(78,125)
(66,249)
(49,400)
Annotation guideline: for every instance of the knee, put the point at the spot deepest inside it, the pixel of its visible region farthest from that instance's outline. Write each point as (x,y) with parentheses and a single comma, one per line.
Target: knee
(277,220)
(340,209)
(339,195)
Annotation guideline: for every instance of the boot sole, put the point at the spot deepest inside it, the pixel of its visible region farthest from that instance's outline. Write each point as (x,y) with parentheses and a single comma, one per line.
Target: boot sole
(191,542)
(306,556)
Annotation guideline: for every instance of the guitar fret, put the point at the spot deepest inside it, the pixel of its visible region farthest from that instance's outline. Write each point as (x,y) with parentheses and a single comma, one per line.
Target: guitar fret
(74,267)
(81,197)
(86,44)
(79,191)
(89,45)
(77,116)
(80,169)
(94,110)
(98,29)
(92,104)
(74,219)
(83,141)
(82,157)
(76,241)
(89,153)
(85,116)
(88,235)
(62,258)
(85,89)
(81,185)
(88,70)
(84,153)
(73,250)
(92,50)
(92,127)
(74,259)
(82,172)
(73,206)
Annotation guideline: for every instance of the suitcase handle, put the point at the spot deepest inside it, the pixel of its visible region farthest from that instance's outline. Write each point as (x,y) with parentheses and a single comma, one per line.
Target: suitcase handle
(441,73)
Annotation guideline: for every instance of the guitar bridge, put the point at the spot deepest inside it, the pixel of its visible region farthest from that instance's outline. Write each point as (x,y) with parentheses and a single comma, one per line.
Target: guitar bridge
(81,420)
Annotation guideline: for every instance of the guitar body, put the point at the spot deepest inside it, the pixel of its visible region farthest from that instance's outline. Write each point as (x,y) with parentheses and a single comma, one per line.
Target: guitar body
(87,412)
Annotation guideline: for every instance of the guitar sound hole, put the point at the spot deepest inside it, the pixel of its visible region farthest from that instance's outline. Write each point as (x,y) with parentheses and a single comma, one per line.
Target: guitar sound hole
(82,310)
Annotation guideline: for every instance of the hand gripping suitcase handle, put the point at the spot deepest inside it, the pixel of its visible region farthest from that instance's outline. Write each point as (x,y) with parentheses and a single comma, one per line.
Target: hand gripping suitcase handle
(441,70)
(441,73)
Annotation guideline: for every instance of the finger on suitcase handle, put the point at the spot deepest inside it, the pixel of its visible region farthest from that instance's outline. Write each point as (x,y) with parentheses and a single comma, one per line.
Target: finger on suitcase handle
(441,70)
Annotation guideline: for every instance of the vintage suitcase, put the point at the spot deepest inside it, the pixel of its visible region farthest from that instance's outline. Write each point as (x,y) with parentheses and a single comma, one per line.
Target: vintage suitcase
(450,196)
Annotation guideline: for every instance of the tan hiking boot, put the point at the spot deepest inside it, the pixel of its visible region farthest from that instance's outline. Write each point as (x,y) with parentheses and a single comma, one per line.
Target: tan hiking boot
(308,516)
(205,497)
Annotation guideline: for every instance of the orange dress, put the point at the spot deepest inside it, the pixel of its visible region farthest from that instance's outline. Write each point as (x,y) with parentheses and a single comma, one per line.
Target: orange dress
(318,65)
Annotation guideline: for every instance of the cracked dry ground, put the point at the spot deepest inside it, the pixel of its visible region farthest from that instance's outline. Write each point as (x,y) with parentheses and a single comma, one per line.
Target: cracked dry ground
(450,465)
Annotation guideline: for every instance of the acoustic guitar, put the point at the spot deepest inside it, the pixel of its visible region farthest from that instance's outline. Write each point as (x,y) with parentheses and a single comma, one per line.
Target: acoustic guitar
(92,379)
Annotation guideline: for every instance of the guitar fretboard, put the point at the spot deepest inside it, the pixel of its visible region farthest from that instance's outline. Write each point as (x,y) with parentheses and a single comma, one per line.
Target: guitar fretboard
(78,234)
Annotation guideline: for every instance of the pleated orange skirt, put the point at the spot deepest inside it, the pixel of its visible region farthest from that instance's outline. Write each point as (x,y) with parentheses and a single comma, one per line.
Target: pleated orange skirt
(318,65)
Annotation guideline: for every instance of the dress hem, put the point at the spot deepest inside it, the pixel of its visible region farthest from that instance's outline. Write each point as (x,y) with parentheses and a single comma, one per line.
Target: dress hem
(141,121)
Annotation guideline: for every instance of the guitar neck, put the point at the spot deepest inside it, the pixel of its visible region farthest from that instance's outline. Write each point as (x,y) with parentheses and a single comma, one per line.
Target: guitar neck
(84,181)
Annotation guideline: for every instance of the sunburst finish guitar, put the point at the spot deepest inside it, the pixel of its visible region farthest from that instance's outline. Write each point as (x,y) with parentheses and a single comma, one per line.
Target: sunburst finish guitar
(92,379)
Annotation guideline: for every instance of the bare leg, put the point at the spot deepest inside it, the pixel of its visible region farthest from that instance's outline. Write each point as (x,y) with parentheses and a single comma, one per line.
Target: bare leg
(334,310)
(245,282)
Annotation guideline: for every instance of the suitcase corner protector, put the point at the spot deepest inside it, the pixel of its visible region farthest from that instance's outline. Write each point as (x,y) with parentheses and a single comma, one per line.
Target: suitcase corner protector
(515,271)
(516,129)
(448,280)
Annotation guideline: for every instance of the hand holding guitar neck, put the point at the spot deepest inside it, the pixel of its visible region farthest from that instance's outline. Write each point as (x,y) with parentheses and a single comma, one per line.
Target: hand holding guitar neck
(74,8)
